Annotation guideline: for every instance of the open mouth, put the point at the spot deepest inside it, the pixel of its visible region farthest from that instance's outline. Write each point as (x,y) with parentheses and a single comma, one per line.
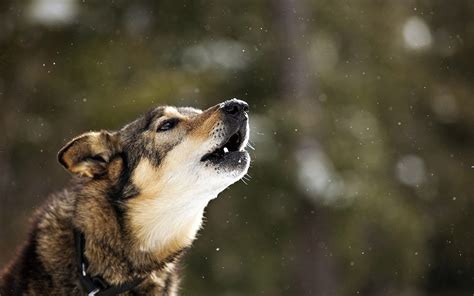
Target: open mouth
(233,144)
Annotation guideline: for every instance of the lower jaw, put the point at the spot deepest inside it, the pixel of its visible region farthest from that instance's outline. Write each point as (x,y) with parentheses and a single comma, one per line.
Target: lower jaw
(237,162)
(236,157)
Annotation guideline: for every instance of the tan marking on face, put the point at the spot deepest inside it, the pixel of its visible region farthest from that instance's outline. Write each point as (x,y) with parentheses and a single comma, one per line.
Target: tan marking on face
(204,123)
(171,112)
(197,125)
(147,178)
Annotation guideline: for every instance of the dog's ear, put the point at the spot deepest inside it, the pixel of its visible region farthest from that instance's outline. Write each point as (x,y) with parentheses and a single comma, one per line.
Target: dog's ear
(89,154)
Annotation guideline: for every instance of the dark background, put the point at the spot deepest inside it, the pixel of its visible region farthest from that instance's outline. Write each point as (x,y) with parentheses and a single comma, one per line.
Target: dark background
(362,121)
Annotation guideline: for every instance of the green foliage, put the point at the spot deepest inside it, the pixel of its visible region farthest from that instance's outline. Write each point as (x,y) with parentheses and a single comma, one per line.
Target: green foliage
(362,176)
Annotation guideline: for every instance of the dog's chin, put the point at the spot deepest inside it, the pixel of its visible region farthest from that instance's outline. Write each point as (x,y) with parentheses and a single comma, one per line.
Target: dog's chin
(236,162)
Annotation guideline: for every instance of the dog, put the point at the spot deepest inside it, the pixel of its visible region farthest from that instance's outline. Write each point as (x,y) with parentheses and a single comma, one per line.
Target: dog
(135,204)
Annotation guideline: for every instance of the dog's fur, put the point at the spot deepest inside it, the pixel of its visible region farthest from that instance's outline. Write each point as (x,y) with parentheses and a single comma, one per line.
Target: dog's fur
(138,196)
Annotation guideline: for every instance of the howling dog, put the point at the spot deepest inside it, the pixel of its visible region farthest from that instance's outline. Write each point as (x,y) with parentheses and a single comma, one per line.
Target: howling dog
(135,204)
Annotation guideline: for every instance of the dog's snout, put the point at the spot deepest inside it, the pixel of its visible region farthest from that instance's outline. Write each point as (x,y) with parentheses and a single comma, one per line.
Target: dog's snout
(235,108)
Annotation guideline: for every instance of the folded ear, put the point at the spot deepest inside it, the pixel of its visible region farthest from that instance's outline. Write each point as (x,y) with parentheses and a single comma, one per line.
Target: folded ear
(89,154)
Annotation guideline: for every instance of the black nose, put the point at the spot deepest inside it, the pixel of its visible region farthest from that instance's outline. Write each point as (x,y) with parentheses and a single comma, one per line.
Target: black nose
(235,108)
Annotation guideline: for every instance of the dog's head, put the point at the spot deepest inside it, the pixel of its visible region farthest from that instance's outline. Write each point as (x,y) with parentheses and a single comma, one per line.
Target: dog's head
(169,160)
(198,147)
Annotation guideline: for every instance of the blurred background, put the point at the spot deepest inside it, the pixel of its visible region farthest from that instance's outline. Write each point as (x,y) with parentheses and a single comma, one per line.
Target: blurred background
(362,121)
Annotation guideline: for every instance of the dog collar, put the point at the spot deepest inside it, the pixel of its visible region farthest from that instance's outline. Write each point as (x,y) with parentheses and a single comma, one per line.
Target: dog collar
(95,285)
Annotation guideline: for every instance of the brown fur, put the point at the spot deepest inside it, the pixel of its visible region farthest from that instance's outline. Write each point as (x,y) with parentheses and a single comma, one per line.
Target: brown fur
(120,178)
(107,247)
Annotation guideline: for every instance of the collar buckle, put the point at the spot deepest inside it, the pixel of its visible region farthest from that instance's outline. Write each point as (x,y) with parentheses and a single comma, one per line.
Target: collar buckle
(93,293)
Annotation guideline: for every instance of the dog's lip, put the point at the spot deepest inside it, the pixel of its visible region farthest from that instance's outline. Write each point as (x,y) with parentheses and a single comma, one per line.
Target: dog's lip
(233,143)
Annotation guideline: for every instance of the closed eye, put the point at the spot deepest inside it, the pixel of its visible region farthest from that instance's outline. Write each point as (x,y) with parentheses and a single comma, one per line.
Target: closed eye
(168,124)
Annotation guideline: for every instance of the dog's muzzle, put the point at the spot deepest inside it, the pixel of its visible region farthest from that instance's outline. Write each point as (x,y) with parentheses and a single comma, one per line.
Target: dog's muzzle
(231,147)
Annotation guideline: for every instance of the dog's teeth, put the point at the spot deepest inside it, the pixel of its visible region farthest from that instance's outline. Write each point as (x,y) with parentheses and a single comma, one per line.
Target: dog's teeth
(226,149)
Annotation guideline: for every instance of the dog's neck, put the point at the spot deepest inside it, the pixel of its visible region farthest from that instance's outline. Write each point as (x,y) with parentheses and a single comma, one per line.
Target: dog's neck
(167,213)
(164,223)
